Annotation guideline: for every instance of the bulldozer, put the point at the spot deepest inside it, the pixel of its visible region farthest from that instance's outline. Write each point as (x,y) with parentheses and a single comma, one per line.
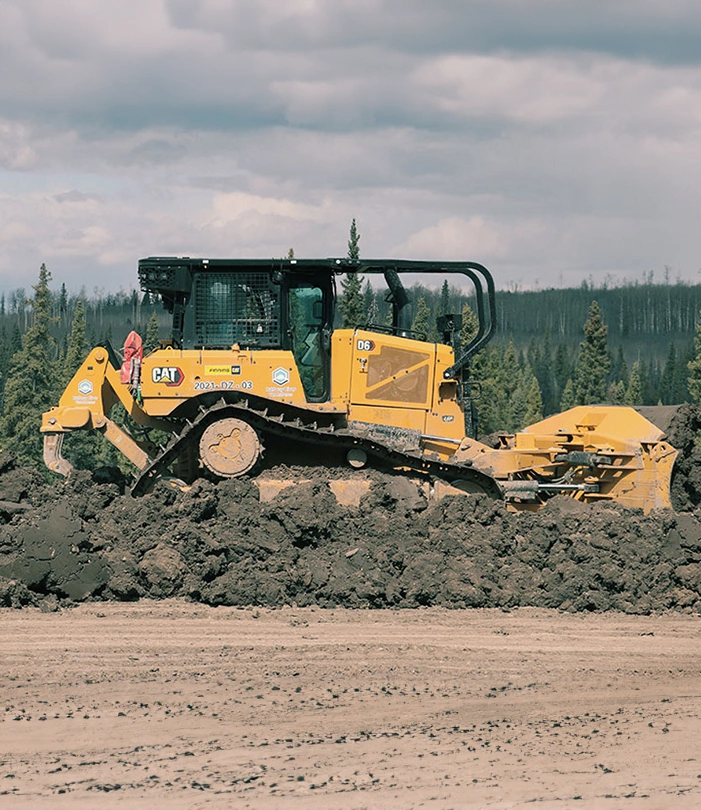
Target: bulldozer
(255,367)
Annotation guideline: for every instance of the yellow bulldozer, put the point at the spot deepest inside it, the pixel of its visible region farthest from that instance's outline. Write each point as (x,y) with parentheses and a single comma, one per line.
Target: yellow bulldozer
(254,364)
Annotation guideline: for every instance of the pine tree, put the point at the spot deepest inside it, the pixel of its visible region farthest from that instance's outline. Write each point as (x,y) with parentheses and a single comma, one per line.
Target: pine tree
(351,303)
(487,369)
(353,242)
(650,383)
(502,403)
(619,368)
(151,341)
(634,391)
(15,340)
(533,353)
(5,352)
(31,382)
(593,363)
(511,364)
(568,399)
(563,371)
(445,299)
(543,371)
(534,404)
(470,325)
(694,366)
(62,350)
(669,376)
(515,378)
(370,311)
(62,303)
(681,383)
(77,347)
(422,319)
(617,393)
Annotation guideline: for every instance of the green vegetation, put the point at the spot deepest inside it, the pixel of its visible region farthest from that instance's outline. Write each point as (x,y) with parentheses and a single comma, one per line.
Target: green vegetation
(422,323)
(33,379)
(593,363)
(470,325)
(77,347)
(43,341)
(352,305)
(151,340)
(695,366)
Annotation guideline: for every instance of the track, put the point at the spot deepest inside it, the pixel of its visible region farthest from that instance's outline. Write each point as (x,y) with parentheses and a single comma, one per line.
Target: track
(388,454)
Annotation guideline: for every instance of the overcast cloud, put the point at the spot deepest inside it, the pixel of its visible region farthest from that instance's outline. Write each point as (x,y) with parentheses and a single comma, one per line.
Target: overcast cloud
(552,140)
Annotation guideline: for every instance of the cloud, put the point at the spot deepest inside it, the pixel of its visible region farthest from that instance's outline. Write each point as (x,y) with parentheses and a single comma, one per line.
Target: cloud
(529,91)
(200,65)
(15,152)
(232,207)
(75,196)
(553,138)
(457,239)
(631,29)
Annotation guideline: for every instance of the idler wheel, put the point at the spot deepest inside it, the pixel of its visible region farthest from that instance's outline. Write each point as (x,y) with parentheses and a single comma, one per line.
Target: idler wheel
(357,458)
(230,447)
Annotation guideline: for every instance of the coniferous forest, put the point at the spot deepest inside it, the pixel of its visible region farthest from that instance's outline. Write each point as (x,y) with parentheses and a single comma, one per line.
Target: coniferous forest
(635,344)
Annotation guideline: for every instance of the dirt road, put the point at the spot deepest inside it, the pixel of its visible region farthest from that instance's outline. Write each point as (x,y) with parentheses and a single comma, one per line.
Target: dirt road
(174,705)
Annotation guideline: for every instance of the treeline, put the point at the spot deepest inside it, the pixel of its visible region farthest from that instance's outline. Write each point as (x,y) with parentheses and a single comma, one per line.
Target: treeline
(643,321)
(634,311)
(109,316)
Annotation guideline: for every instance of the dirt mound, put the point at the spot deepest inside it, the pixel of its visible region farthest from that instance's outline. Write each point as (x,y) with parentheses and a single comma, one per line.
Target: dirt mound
(686,480)
(85,539)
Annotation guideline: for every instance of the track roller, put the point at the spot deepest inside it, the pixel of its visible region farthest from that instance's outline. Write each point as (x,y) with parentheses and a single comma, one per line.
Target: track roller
(357,458)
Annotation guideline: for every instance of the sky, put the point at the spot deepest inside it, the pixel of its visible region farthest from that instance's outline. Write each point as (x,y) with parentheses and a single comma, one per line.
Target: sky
(555,141)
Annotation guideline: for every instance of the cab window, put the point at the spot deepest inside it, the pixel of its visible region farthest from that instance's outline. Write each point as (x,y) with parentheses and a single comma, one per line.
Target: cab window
(306,319)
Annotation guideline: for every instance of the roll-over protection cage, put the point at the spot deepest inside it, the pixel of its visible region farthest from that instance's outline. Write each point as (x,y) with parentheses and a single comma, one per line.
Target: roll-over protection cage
(239,300)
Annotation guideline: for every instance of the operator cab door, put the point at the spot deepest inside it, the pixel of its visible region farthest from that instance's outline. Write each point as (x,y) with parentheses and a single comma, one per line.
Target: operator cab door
(309,325)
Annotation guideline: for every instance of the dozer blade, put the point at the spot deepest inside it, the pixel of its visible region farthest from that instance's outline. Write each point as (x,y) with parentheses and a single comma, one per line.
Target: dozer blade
(616,451)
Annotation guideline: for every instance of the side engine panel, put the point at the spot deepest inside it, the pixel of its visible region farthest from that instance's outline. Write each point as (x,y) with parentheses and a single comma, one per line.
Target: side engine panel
(397,382)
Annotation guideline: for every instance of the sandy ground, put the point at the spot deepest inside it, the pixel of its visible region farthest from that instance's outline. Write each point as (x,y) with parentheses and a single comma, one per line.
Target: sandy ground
(174,705)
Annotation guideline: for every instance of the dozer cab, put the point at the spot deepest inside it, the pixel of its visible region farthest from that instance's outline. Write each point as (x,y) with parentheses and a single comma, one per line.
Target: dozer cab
(254,362)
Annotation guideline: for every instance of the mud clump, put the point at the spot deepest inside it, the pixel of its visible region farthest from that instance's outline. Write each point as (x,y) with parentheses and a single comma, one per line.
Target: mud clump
(217,543)
(686,479)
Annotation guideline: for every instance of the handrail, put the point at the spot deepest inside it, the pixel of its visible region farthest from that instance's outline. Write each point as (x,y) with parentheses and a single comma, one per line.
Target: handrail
(478,274)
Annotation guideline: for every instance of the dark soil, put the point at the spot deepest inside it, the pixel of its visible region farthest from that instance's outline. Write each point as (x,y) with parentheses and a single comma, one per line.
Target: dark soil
(85,539)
